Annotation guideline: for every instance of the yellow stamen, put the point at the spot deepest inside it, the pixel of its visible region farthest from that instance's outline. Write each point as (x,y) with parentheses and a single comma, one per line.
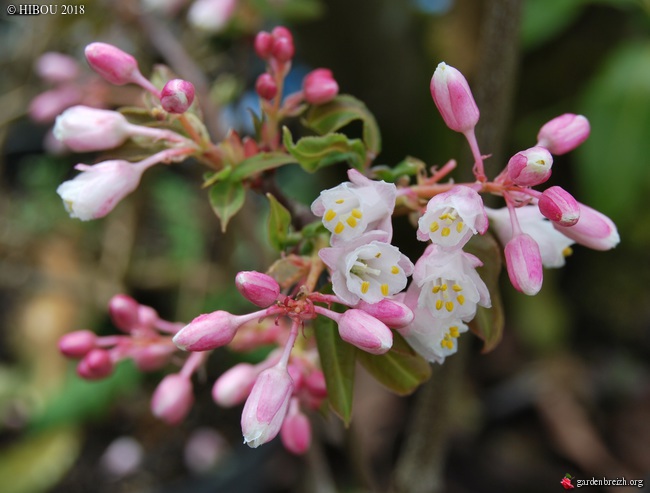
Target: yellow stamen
(339,227)
(356,213)
(444,216)
(434,227)
(456,287)
(378,254)
(329,215)
(453,331)
(445,231)
(567,252)
(351,221)
(444,287)
(340,201)
(449,305)
(449,344)
(384,289)
(439,305)
(459,227)
(394,269)
(461,299)
(365,286)
(435,289)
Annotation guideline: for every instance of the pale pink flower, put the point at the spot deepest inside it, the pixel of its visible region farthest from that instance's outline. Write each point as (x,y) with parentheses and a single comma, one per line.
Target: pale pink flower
(211,15)
(172,399)
(563,133)
(56,68)
(365,331)
(234,385)
(594,230)
(453,98)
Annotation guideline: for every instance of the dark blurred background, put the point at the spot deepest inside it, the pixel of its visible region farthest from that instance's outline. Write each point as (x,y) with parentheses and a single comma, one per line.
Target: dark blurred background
(566,391)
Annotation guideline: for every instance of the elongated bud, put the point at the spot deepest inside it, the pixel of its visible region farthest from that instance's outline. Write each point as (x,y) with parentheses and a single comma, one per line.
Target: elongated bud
(234,385)
(266,406)
(530,167)
(85,129)
(258,288)
(124,312)
(524,264)
(319,86)
(45,107)
(365,332)
(315,384)
(296,430)
(113,64)
(593,230)
(266,87)
(77,344)
(564,133)
(559,206)
(392,313)
(263,44)
(56,67)
(209,331)
(172,399)
(177,96)
(453,97)
(95,365)
(153,356)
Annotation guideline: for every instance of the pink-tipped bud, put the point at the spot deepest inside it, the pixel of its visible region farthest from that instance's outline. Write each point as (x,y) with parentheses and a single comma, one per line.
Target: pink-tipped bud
(258,288)
(564,133)
(233,386)
(296,430)
(530,167)
(113,64)
(559,206)
(266,87)
(524,264)
(319,86)
(95,365)
(177,96)
(56,67)
(266,406)
(124,312)
(365,332)
(279,32)
(208,331)
(453,97)
(593,230)
(283,49)
(172,399)
(263,44)
(77,344)
(85,129)
(153,356)
(392,313)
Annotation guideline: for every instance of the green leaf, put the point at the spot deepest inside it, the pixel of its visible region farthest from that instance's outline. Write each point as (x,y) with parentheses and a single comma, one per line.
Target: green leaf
(410,166)
(313,153)
(227,198)
(401,369)
(279,225)
(261,162)
(342,110)
(488,323)
(337,359)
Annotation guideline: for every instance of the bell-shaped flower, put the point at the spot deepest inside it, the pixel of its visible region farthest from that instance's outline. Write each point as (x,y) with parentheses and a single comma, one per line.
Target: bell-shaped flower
(593,230)
(554,246)
(449,286)
(266,406)
(451,218)
(367,268)
(95,192)
(355,207)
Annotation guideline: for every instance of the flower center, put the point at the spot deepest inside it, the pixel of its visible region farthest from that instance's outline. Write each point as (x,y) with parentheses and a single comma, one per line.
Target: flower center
(448,339)
(447,223)
(343,213)
(447,294)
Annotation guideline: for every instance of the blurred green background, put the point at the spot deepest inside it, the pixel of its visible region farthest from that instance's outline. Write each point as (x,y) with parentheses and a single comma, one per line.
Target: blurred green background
(567,390)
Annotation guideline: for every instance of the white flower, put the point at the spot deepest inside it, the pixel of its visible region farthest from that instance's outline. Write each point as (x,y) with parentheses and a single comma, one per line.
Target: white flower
(553,245)
(352,208)
(211,15)
(367,268)
(452,217)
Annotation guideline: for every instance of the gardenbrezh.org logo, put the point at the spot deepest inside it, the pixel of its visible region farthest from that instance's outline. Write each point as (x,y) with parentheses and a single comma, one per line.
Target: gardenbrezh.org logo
(568,485)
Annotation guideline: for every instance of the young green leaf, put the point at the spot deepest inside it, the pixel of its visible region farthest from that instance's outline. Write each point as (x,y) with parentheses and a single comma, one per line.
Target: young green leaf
(279,225)
(227,198)
(261,162)
(313,153)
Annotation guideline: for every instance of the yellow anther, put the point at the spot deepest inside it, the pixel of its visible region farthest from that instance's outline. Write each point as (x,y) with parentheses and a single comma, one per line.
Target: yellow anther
(329,215)
(378,255)
(453,331)
(384,289)
(449,305)
(435,289)
(443,216)
(450,345)
(540,161)
(456,287)
(567,251)
(356,213)
(351,221)
(439,305)
(339,227)
(434,227)
(394,269)
(365,286)
(445,231)
(460,226)
(444,287)
(461,299)
(340,201)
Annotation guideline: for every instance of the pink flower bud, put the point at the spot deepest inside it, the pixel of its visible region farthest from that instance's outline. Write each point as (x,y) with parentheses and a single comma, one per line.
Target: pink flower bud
(95,192)
(124,312)
(559,206)
(296,430)
(172,399)
(45,107)
(524,264)
(319,86)
(563,133)
(257,288)
(95,365)
(530,167)
(315,384)
(233,386)
(266,87)
(77,344)
(147,317)
(365,332)
(209,331)
(177,96)
(266,406)
(392,313)
(593,230)
(279,32)
(153,356)
(263,44)
(113,64)
(453,98)
(56,67)
(84,129)
(283,49)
